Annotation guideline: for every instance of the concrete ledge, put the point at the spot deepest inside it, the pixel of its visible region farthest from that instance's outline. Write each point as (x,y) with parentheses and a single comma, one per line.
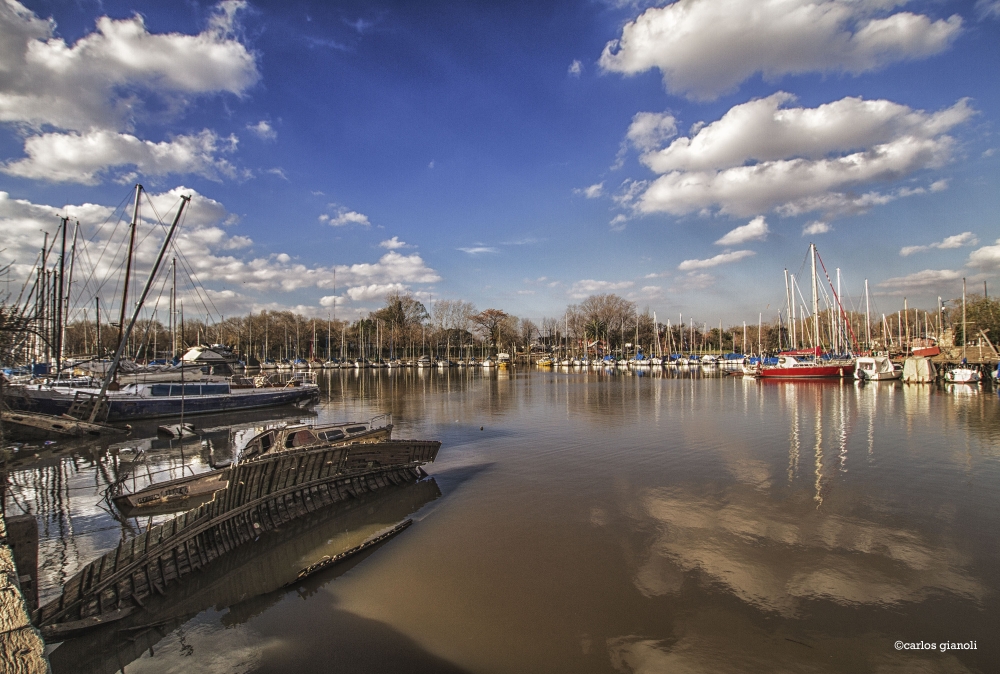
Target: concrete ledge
(22,650)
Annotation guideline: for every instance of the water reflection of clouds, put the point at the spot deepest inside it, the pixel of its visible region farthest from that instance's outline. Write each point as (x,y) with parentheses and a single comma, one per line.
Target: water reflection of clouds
(717,641)
(776,555)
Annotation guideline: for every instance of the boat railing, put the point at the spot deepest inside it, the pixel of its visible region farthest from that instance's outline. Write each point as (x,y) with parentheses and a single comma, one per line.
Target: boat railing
(302,377)
(380,421)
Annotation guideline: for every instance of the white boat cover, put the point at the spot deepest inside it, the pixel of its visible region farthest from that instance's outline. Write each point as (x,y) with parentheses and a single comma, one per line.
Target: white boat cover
(918,371)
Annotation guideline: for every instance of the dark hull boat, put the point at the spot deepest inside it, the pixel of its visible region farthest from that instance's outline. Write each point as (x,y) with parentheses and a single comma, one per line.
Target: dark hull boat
(165,399)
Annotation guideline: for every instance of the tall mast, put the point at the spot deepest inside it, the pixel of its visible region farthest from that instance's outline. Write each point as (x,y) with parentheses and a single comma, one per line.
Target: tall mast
(795,337)
(40,299)
(840,318)
(868,319)
(69,284)
(815,296)
(173,309)
(790,310)
(60,328)
(97,324)
(965,334)
(128,263)
(906,319)
(138,305)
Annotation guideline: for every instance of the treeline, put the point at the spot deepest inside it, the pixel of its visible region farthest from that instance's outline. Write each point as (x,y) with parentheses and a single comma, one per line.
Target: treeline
(404,327)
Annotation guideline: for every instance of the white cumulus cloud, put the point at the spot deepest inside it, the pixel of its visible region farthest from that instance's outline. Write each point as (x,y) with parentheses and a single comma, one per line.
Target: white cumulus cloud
(704,48)
(206,245)
(763,155)
(85,158)
(87,95)
(394,243)
(715,261)
(648,130)
(987,257)
(263,130)
(755,230)
(343,216)
(375,291)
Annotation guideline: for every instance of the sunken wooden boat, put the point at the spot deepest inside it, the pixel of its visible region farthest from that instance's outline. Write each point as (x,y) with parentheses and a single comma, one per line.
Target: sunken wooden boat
(184,492)
(263,493)
(46,425)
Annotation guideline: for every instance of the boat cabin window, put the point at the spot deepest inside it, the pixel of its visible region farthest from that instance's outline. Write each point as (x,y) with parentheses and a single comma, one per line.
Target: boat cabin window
(266,441)
(177,390)
(356,429)
(329,436)
(299,439)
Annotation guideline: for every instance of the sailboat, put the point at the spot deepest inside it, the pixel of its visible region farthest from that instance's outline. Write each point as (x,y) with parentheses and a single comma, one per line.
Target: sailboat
(964,374)
(811,363)
(113,402)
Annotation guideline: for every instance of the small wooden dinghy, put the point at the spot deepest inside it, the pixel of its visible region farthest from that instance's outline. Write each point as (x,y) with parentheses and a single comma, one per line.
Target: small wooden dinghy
(177,431)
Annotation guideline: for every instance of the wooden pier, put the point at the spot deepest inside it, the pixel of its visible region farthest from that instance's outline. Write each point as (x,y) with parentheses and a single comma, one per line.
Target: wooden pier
(263,493)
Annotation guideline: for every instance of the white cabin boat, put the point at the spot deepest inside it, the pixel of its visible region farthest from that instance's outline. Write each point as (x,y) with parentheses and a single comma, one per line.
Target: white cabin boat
(876,368)
(962,375)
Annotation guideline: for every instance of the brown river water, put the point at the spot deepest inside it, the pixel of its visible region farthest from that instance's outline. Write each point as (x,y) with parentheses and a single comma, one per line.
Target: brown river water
(586,522)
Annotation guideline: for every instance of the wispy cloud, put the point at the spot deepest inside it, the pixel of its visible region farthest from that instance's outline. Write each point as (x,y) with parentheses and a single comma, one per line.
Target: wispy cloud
(755,230)
(693,280)
(954,241)
(263,130)
(479,250)
(721,258)
(575,68)
(586,287)
(816,227)
(591,192)
(928,279)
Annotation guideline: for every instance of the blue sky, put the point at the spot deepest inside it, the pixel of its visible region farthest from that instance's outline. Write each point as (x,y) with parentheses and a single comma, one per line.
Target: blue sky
(517,155)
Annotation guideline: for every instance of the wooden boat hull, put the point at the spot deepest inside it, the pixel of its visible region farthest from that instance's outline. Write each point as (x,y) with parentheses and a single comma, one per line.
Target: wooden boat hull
(46,424)
(186,492)
(263,494)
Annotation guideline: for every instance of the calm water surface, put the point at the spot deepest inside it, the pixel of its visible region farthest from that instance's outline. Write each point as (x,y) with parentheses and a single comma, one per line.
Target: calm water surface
(592,522)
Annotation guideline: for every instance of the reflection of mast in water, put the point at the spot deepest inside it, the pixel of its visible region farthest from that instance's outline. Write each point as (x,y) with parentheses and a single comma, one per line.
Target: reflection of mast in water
(793,440)
(819,451)
(841,408)
(872,404)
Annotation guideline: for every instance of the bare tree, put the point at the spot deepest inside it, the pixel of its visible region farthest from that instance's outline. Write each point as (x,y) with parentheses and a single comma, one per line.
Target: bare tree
(492,323)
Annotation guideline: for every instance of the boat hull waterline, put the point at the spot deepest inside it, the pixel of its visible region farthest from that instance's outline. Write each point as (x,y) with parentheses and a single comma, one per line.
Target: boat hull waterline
(136,402)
